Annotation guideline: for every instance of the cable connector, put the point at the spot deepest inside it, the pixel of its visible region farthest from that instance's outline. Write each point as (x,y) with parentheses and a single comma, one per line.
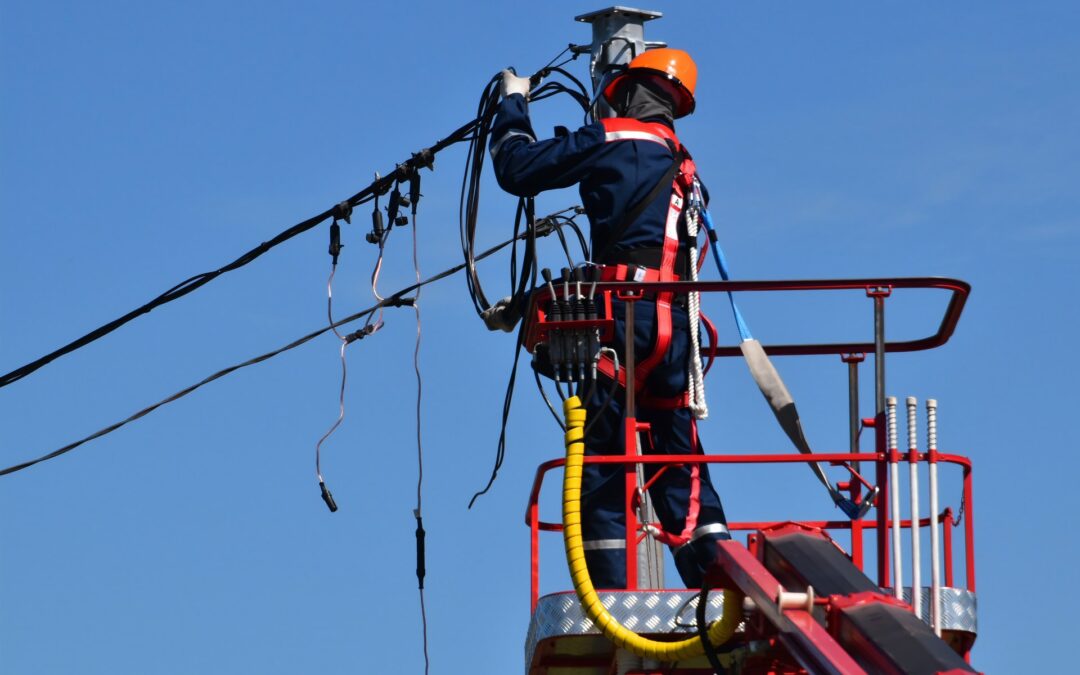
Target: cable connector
(414,190)
(544,226)
(421,568)
(327,497)
(359,334)
(393,209)
(335,241)
(377,227)
(396,301)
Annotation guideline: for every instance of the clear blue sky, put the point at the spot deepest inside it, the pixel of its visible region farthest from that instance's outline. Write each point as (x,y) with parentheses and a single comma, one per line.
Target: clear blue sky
(142,143)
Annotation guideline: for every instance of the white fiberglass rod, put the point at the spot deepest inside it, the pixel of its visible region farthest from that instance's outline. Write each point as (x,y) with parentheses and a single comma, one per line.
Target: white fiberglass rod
(894,479)
(935,543)
(913,463)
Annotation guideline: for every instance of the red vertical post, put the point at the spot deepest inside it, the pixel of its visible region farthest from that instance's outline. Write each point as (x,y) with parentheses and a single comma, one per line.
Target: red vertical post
(630,444)
(630,472)
(534,554)
(969,531)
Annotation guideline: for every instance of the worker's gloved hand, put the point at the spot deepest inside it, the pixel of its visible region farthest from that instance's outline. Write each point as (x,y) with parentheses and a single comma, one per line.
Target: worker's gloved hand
(512,84)
(501,316)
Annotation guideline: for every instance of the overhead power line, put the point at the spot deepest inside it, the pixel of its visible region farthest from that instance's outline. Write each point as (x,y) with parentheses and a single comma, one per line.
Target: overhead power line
(544,227)
(424,158)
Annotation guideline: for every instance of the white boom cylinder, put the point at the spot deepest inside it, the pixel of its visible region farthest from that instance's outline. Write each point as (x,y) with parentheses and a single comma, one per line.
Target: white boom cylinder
(894,479)
(935,542)
(913,464)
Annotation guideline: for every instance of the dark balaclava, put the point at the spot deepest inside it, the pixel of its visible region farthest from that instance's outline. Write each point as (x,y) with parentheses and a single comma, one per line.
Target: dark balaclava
(642,99)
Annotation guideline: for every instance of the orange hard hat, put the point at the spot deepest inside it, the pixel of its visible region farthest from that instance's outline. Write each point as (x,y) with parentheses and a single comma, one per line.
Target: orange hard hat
(672,65)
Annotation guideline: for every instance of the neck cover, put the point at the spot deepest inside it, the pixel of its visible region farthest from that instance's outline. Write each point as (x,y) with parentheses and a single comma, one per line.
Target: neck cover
(638,100)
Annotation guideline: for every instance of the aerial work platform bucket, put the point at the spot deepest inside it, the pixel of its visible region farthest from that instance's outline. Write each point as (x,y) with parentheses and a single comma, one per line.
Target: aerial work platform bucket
(810,606)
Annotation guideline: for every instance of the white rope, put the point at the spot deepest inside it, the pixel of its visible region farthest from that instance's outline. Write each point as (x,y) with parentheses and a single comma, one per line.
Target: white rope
(696,377)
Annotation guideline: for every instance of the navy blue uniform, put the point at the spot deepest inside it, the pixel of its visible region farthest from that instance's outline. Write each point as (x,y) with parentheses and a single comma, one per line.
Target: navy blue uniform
(613,176)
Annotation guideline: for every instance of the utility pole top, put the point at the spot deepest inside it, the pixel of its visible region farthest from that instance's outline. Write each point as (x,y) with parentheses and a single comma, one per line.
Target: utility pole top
(618,35)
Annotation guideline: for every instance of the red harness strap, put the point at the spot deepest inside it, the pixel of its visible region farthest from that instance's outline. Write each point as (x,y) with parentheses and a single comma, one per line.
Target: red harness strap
(621,129)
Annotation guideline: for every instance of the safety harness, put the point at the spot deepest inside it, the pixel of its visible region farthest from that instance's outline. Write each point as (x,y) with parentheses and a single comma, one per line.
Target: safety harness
(682,178)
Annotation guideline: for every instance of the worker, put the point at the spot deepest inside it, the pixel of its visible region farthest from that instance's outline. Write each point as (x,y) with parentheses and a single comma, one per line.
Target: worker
(628,169)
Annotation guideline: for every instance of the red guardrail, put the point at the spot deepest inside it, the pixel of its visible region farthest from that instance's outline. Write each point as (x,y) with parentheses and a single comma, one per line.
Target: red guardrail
(536,525)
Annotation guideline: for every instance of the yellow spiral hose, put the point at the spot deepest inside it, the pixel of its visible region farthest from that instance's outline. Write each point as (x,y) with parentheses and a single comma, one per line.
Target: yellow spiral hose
(719,631)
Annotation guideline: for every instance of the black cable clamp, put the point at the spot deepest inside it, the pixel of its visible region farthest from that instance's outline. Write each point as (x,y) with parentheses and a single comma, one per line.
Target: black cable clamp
(396,301)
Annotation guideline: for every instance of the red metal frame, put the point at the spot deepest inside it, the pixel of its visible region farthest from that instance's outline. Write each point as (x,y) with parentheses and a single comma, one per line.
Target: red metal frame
(959,293)
(536,525)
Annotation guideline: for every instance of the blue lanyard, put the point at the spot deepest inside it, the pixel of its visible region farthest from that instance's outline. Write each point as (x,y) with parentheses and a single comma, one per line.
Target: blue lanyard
(721,265)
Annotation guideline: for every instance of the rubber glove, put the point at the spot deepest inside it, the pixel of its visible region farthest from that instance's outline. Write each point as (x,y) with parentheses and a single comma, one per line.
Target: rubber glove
(501,316)
(512,84)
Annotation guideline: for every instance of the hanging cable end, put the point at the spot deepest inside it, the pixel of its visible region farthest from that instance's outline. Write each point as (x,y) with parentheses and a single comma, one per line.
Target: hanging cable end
(327,497)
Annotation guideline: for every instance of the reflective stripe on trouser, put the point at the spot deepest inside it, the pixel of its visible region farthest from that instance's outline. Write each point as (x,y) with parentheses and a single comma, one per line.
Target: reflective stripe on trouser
(603,517)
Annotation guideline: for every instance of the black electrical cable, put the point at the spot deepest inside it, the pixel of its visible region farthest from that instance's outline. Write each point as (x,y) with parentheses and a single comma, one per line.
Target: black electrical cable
(580,237)
(543,394)
(421,567)
(703,630)
(474,131)
(394,300)
(566,249)
(418,160)
(468,205)
(470,189)
(611,393)
(500,452)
